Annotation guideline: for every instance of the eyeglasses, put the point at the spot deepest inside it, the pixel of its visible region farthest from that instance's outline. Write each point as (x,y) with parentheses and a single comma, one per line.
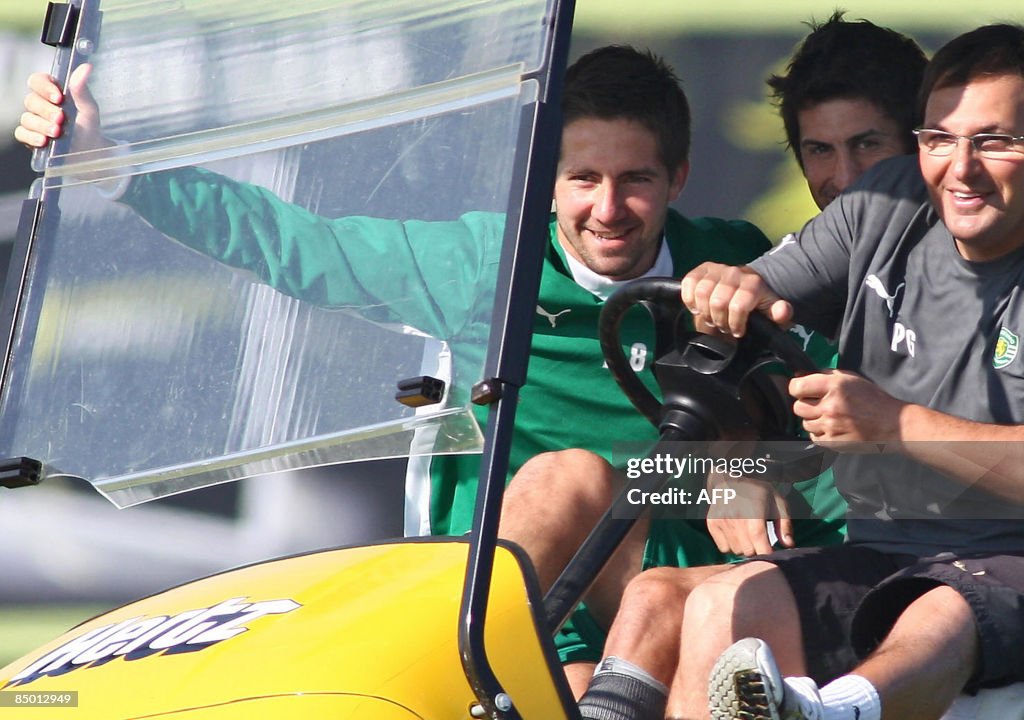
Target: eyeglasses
(990,145)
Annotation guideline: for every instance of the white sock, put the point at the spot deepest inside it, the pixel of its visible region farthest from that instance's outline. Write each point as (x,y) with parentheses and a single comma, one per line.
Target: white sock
(803,693)
(851,697)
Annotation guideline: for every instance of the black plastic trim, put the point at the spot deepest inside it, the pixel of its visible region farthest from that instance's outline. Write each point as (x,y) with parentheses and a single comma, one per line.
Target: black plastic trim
(59,25)
(20,472)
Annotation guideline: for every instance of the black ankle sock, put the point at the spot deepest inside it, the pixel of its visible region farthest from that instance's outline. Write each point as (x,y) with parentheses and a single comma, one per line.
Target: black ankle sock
(617,695)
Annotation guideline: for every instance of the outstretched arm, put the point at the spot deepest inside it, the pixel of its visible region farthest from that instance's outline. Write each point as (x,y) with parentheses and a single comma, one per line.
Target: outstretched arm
(387,268)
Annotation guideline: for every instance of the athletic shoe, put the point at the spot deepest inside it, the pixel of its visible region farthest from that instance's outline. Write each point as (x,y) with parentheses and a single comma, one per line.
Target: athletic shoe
(745,684)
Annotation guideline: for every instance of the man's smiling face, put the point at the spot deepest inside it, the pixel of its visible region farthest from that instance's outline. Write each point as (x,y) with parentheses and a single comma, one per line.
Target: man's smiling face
(980,199)
(611,195)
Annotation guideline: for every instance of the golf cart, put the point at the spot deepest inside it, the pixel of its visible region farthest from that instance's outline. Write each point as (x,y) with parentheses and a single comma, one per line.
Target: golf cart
(149,370)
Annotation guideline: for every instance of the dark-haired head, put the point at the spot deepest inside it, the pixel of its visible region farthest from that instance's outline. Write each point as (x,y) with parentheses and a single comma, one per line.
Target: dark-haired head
(988,50)
(851,60)
(620,82)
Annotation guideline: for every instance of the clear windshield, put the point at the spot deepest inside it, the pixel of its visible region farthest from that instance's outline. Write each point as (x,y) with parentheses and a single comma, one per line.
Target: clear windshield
(293,207)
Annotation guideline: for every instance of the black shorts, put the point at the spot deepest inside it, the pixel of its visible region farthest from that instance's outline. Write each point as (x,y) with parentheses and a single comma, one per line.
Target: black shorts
(849,596)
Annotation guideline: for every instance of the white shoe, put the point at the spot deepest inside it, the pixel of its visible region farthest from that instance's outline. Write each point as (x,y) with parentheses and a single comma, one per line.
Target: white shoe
(745,684)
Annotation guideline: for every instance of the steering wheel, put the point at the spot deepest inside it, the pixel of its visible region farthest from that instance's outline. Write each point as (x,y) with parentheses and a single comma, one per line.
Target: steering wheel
(714,388)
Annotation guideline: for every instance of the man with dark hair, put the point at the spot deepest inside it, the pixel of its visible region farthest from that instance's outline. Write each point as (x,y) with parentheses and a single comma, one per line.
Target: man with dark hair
(618,81)
(845,101)
(624,158)
(920,268)
(924,600)
(840,120)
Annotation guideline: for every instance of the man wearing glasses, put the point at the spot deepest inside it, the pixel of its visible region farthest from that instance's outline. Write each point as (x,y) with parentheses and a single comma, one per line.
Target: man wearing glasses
(920,268)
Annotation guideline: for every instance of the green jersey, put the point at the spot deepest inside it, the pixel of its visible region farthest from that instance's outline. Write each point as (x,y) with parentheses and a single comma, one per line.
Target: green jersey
(570,399)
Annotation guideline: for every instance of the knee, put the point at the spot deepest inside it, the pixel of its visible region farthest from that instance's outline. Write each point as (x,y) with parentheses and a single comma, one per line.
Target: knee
(571,461)
(656,590)
(576,476)
(939,622)
(943,600)
(711,601)
(725,597)
(946,609)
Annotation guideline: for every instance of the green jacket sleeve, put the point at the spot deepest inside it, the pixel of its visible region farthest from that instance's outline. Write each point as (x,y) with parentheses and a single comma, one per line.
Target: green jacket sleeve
(429,275)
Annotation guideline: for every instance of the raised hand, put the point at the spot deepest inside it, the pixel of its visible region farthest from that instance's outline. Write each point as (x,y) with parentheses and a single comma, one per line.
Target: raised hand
(44,117)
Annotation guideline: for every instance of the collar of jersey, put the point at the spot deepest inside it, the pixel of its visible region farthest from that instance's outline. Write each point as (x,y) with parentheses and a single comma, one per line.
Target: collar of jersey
(602,286)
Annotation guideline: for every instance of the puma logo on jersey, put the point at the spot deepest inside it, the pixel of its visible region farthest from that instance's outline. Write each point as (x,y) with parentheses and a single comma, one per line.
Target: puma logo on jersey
(553,319)
(803,333)
(901,334)
(875,284)
(788,240)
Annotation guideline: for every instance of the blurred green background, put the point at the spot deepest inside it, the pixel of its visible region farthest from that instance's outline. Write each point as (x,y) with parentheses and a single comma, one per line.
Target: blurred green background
(723,51)
(24,15)
(655,17)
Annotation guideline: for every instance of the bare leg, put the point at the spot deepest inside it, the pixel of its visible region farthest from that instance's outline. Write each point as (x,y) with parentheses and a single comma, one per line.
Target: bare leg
(927,658)
(553,503)
(752,599)
(578,674)
(917,672)
(647,628)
